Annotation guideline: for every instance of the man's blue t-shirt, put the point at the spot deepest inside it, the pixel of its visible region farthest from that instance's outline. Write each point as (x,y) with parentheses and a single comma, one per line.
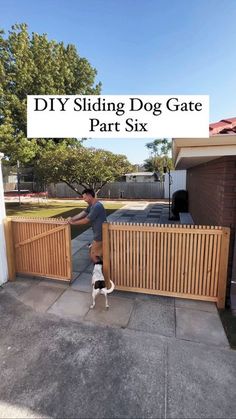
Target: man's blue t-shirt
(97,216)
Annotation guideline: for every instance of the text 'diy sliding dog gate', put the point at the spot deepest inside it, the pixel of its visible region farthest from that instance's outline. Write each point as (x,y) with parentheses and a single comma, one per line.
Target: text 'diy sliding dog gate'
(187,261)
(39,247)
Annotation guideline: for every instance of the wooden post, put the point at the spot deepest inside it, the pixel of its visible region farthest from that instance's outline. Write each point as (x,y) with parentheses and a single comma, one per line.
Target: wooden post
(9,249)
(224,252)
(68,251)
(106,253)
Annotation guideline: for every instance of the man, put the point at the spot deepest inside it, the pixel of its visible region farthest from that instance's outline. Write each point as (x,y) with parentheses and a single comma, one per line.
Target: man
(96,215)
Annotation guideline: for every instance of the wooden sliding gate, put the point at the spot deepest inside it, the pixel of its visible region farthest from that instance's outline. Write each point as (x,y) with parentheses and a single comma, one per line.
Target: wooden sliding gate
(187,261)
(39,247)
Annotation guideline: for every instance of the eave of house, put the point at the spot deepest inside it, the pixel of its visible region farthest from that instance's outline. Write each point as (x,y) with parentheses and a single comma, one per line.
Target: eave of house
(190,152)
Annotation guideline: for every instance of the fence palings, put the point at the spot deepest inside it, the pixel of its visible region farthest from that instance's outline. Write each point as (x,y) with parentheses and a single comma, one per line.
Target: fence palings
(39,247)
(187,261)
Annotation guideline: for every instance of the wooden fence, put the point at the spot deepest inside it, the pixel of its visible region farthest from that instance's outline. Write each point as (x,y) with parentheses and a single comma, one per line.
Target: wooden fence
(39,247)
(187,261)
(114,190)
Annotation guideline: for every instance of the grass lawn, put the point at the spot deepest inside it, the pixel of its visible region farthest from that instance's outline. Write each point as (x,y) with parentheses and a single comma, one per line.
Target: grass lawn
(55,210)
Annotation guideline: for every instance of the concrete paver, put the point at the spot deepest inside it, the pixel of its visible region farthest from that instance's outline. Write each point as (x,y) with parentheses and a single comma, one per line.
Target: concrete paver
(118,313)
(53,284)
(72,304)
(159,299)
(77,245)
(200,326)
(196,305)
(40,298)
(81,260)
(76,370)
(19,287)
(89,269)
(75,275)
(200,381)
(153,317)
(82,283)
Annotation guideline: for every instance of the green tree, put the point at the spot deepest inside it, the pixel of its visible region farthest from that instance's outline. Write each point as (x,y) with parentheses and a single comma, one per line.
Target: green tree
(32,64)
(160,150)
(156,164)
(159,147)
(81,167)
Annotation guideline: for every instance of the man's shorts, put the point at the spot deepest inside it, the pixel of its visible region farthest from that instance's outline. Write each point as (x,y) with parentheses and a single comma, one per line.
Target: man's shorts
(96,248)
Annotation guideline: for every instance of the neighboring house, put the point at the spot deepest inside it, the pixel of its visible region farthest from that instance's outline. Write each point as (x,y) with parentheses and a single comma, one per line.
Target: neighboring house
(142,177)
(10,178)
(211,182)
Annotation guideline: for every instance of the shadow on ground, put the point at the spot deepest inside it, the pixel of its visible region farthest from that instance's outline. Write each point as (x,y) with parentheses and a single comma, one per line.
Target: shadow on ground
(229,323)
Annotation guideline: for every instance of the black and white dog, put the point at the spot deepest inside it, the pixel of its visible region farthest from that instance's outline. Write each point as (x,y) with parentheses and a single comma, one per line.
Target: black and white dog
(98,284)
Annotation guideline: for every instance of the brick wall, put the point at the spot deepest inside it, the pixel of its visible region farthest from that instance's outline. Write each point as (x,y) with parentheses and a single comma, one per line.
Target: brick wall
(212,195)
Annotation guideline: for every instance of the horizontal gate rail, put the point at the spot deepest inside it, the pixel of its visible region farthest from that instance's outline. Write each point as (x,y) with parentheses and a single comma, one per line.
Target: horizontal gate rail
(186,261)
(39,236)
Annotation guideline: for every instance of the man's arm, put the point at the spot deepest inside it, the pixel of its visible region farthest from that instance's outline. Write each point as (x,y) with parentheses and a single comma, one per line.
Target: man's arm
(79,216)
(87,219)
(77,222)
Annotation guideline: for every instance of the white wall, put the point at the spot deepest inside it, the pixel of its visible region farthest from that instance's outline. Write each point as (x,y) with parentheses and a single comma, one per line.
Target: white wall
(3,256)
(178,181)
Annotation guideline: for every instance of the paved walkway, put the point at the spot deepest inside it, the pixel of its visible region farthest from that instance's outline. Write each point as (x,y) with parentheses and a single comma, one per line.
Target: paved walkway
(147,356)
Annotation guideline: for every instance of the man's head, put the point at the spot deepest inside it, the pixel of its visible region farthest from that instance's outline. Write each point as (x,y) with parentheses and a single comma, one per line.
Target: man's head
(88,195)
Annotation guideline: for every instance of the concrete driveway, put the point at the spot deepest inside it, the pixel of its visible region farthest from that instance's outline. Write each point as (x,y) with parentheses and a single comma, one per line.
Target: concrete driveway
(146,357)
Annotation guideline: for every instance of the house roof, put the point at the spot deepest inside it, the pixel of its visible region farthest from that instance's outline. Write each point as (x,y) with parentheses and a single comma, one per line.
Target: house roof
(225,126)
(190,152)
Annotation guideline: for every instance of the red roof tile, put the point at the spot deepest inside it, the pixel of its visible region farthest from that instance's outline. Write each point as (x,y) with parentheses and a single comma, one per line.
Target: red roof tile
(225,126)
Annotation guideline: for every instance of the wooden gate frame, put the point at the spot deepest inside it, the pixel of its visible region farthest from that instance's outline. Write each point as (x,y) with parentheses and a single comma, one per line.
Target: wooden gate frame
(11,247)
(223,258)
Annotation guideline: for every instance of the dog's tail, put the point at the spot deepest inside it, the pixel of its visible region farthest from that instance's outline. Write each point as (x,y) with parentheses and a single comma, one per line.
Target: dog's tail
(112,287)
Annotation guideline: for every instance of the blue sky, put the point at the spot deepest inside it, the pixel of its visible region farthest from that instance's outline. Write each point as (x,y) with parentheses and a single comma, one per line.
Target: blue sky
(144,47)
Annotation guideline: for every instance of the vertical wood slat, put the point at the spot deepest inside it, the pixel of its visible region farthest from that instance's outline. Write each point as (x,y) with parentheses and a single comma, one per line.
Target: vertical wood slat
(190,255)
(193,274)
(173,260)
(201,264)
(116,255)
(141,258)
(123,249)
(161,260)
(179,255)
(134,258)
(111,239)
(214,259)
(128,256)
(175,264)
(205,263)
(183,271)
(68,249)
(197,273)
(156,257)
(218,250)
(172,256)
(209,265)
(148,261)
(144,261)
